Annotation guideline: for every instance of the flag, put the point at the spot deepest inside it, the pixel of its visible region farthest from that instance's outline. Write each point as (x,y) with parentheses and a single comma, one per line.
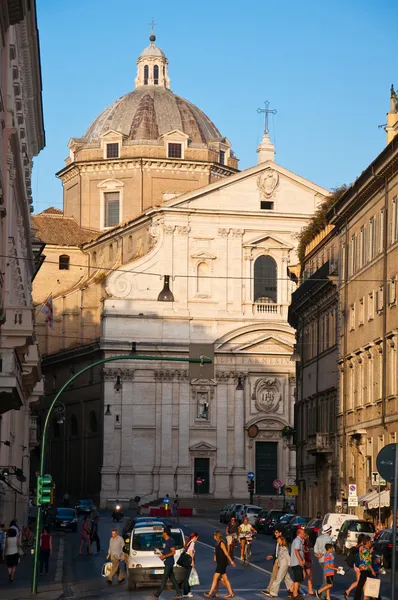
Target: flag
(47,310)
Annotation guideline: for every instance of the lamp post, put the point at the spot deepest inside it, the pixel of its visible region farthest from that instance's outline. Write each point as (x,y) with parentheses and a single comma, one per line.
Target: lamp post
(202,360)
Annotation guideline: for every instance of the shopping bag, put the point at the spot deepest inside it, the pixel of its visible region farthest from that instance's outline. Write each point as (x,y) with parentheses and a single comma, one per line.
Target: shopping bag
(194,577)
(106,569)
(372,587)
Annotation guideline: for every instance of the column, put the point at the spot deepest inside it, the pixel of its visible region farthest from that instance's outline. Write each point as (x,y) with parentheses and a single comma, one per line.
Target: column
(126,477)
(184,475)
(108,471)
(239,471)
(166,472)
(221,474)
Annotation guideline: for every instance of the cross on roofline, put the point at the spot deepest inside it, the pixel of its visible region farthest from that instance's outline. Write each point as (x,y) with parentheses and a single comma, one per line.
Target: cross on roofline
(267,111)
(152,24)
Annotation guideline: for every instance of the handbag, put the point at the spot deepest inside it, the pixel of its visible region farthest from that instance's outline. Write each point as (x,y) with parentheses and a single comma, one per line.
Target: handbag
(106,569)
(372,587)
(194,577)
(185,560)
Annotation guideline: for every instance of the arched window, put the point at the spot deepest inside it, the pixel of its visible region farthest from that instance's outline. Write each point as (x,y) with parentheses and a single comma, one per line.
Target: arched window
(130,243)
(93,422)
(63,264)
(203,281)
(155,75)
(74,427)
(265,288)
(94,258)
(146,74)
(110,252)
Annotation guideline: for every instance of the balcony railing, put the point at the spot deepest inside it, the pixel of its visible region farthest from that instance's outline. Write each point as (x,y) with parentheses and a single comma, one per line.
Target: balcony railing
(269,308)
(319,443)
(32,431)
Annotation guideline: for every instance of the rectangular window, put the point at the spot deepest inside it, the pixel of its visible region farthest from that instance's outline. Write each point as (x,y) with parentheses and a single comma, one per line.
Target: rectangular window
(381,237)
(111,208)
(174,150)
(372,240)
(352,316)
(371,306)
(391,292)
(265,205)
(379,299)
(112,150)
(394,217)
(362,253)
(222,157)
(361,311)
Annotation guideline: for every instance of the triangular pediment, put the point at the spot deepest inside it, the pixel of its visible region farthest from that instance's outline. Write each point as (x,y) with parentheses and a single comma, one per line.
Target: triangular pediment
(269,240)
(175,133)
(255,340)
(203,256)
(112,133)
(203,447)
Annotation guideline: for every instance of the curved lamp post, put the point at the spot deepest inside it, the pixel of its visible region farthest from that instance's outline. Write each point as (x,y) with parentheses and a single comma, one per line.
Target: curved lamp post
(202,360)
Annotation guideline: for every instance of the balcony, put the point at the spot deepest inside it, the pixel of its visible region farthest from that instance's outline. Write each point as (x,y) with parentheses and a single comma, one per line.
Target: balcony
(33,441)
(267,308)
(11,387)
(320,443)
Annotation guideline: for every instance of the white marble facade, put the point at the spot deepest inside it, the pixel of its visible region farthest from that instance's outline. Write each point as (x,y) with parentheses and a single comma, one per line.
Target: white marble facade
(169,422)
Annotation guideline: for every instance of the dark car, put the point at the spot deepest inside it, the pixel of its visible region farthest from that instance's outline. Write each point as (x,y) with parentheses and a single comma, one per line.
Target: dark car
(224,513)
(65,518)
(383,547)
(233,510)
(289,529)
(260,521)
(85,507)
(272,518)
(312,530)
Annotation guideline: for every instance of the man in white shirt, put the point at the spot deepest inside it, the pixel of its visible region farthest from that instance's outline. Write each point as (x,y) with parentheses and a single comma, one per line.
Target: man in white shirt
(116,556)
(297,562)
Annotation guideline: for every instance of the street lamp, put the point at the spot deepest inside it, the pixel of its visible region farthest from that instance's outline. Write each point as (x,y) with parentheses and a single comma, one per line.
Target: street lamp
(239,387)
(108,411)
(7,443)
(201,360)
(295,357)
(166,295)
(118,385)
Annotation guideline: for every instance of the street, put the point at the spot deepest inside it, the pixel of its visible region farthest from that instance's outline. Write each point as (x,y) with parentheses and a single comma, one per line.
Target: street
(81,575)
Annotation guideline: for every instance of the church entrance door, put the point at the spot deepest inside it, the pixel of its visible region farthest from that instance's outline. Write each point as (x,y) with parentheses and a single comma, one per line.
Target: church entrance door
(202,471)
(266,467)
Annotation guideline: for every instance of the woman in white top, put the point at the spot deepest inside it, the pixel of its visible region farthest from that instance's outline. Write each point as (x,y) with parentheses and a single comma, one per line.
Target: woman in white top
(245,531)
(189,561)
(11,553)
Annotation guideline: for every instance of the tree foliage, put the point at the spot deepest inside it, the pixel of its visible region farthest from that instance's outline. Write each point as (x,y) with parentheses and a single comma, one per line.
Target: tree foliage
(318,221)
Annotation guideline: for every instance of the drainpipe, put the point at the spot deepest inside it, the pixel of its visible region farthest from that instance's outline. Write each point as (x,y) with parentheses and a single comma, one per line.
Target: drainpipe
(385,301)
(342,323)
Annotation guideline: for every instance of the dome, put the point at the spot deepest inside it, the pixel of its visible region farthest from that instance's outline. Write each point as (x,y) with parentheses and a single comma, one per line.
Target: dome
(150,111)
(152,50)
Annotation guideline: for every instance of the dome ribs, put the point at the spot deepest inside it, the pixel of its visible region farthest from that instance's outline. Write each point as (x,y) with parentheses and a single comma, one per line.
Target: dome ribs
(144,125)
(190,124)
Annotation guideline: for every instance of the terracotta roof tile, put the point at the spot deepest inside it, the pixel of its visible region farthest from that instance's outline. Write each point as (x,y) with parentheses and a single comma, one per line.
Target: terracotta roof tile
(53,228)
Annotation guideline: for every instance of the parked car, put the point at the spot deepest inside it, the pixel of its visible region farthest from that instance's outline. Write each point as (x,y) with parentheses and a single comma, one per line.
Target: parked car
(289,529)
(383,547)
(65,518)
(272,517)
(233,510)
(280,522)
(85,507)
(259,523)
(224,513)
(349,532)
(250,511)
(312,529)
(335,520)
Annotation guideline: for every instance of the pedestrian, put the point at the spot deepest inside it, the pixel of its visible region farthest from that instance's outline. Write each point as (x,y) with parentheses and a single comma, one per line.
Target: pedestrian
(231,531)
(308,563)
(85,535)
(283,569)
(94,537)
(320,544)
(2,541)
(188,561)
(46,546)
(167,556)
(297,563)
(12,553)
(116,556)
(274,557)
(245,531)
(270,504)
(174,512)
(177,501)
(352,561)
(365,565)
(318,515)
(221,558)
(65,500)
(328,570)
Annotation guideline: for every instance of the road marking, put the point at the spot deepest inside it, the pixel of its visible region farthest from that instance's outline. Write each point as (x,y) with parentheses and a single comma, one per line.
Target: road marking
(60,561)
(236,558)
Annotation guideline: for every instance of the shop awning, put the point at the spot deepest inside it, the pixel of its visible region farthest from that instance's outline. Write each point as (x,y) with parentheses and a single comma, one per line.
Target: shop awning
(365,498)
(382,500)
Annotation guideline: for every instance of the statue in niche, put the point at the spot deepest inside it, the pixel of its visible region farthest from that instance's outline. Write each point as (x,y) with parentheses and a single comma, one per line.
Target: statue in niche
(203,406)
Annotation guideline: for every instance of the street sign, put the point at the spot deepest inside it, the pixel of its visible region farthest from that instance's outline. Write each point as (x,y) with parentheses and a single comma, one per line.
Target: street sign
(377,480)
(166,500)
(352,490)
(277,484)
(353,501)
(250,475)
(385,462)
(291,490)
(199,481)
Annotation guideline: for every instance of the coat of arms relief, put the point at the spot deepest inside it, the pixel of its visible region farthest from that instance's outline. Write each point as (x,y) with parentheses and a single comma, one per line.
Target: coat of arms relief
(267,395)
(267,183)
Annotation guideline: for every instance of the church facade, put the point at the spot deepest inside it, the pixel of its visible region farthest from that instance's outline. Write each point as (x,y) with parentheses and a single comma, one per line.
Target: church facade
(222,245)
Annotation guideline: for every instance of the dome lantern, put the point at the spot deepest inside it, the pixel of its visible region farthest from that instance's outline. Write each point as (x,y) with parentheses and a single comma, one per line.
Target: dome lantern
(152,66)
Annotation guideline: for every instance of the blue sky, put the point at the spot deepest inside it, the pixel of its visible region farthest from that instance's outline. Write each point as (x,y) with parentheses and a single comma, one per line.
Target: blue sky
(325,66)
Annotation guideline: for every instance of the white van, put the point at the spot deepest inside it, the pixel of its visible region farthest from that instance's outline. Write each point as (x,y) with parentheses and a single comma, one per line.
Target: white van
(335,520)
(144,565)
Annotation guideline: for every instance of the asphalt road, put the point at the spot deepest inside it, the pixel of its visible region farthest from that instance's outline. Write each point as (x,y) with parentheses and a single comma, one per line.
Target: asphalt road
(82,574)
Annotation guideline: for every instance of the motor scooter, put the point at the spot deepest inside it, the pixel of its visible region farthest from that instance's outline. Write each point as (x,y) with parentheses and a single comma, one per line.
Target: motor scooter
(117,514)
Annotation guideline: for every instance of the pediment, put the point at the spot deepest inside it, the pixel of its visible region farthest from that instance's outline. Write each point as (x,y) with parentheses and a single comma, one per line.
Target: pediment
(258,340)
(203,256)
(203,447)
(267,241)
(175,133)
(112,133)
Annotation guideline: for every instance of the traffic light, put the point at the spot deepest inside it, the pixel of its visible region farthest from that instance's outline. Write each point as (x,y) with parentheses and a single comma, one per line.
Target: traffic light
(52,494)
(44,488)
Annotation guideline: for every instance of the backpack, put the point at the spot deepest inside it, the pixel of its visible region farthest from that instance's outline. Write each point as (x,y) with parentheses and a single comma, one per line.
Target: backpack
(352,557)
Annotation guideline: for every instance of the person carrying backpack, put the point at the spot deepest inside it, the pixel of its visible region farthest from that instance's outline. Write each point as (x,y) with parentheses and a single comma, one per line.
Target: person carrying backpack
(352,561)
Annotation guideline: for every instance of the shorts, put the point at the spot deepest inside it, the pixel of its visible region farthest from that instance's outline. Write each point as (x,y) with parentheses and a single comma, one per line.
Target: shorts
(230,538)
(329,579)
(298,574)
